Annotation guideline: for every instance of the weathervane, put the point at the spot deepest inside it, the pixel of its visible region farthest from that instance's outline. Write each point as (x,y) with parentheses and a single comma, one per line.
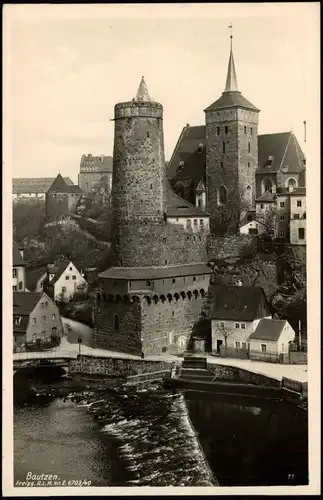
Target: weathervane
(231,36)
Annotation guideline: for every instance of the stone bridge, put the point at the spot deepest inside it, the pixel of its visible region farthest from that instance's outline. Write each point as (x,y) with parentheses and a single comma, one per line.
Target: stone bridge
(35,359)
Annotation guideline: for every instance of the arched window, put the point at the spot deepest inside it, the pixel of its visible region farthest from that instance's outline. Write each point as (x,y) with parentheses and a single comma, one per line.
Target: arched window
(116,321)
(267,185)
(249,147)
(222,195)
(291,182)
(249,195)
(179,189)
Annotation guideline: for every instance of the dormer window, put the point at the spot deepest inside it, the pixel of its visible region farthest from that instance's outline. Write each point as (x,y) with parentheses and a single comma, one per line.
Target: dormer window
(180,166)
(17,320)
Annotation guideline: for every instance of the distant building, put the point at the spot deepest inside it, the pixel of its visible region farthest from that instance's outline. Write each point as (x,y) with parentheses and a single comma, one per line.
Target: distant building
(235,315)
(36,320)
(272,336)
(18,269)
(63,281)
(33,187)
(61,199)
(95,171)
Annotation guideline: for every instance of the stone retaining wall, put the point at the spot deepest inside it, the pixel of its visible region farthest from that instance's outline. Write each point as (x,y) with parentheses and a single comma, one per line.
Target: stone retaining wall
(239,375)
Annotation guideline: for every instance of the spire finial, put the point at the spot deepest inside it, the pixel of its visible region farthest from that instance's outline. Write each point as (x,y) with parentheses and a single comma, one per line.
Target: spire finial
(142,93)
(231,36)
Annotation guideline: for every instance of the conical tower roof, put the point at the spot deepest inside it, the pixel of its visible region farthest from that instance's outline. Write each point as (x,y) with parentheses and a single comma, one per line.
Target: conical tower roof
(59,186)
(142,93)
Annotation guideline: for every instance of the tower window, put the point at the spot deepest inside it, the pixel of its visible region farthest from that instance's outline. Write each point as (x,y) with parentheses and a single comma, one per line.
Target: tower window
(147,134)
(222,195)
(217,130)
(250,130)
(245,130)
(248,165)
(223,147)
(249,147)
(226,129)
(151,186)
(301,233)
(222,165)
(116,321)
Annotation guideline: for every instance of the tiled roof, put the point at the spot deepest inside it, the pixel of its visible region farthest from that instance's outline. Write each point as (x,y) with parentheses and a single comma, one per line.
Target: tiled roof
(230,100)
(25,302)
(178,207)
(290,158)
(266,197)
(268,329)
(32,277)
(17,259)
(98,163)
(59,271)
(239,303)
(188,143)
(34,184)
(286,153)
(150,273)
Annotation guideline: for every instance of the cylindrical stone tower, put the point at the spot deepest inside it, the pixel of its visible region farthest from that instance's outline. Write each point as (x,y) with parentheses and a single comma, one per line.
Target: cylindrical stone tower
(138,179)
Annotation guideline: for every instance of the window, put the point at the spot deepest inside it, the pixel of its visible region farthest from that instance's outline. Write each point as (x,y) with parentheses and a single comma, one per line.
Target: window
(243,326)
(282,233)
(222,195)
(14,273)
(20,285)
(53,316)
(201,222)
(34,321)
(164,240)
(262,205)
(63,289)
(18,320)
(116,321)
(249,147)
(296,216)
(42,304)
(243,345)
(148,283)
(174,280)
(188,223)
(282,204)
(73,277)
(299,203)
(282,217)
(223,148)
(173,313)
(301,233)
(14,288)
(217,130)
(166,262)
(71,269)
(194,278)
(237,325)
(222,165)
(248,165)
(226,129)
(221,324)
(245,129)
(263,348)
(250,130)
(34,338)
(237,345)
(46,303)
(195,222)
(43,318)
(67,277)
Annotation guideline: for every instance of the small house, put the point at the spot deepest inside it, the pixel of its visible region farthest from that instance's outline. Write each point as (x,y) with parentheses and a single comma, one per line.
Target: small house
(272,336)
(63,281)
(235,314)
(36,320)
(18,268)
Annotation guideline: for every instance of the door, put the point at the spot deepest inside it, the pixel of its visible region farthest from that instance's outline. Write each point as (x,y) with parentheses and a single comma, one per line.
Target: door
(218,345)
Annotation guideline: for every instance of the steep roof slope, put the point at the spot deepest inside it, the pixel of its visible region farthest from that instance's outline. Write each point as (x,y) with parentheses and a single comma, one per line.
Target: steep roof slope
(241,303)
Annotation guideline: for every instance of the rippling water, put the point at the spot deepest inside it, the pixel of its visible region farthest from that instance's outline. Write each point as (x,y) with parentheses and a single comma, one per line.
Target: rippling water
(137,438)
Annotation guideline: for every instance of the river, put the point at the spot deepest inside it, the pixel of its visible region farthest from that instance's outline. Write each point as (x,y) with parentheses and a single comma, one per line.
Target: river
(145,437)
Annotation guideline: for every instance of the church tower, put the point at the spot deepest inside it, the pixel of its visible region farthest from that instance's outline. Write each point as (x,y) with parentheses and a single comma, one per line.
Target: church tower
(231,155)
(138,199)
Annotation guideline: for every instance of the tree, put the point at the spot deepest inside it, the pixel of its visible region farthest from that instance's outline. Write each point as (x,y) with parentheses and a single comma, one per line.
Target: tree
(224,332)
(267,219)
(231,208)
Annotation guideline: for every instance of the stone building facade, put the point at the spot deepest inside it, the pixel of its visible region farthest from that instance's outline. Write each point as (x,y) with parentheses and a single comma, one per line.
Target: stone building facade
(95,171)
(61,199)
(151,299)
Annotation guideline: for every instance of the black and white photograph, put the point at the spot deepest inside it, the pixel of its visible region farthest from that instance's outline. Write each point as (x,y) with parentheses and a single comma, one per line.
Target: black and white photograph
(161,207)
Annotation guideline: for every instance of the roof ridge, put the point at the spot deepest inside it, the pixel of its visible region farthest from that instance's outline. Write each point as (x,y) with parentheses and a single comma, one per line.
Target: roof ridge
(297,147)
(177,145)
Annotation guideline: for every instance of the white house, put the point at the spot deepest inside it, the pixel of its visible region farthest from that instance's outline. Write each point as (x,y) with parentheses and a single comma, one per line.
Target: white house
(235,315)
(18,269)
(272,336)
(64,281)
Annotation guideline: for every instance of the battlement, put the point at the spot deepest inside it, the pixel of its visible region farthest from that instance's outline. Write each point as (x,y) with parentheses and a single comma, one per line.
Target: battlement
(143,109)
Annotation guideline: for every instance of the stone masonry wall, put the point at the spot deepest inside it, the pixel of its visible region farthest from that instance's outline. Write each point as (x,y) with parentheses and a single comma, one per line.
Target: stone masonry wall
(127,337)
(229,245)
(239,375)
(114,367)
(169,325)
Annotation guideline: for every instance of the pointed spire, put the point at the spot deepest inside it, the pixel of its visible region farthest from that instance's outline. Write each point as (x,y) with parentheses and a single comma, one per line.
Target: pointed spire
(142,93)
(231,84)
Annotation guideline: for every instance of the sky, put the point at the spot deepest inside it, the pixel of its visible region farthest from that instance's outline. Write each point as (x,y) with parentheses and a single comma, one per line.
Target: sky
(67,66)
